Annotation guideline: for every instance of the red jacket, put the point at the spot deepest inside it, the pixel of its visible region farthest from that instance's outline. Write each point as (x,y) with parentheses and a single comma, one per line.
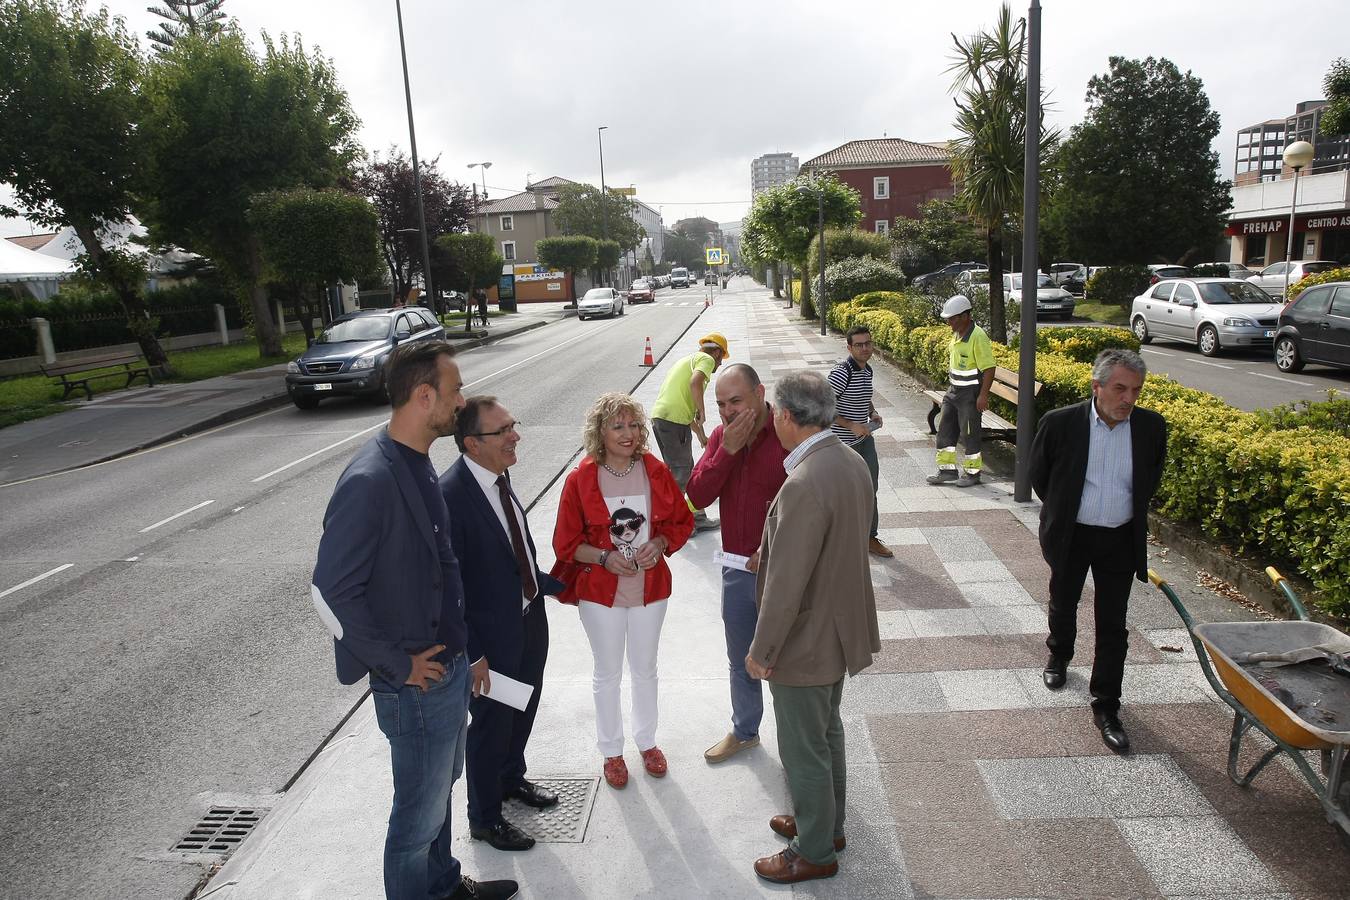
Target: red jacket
(583,518)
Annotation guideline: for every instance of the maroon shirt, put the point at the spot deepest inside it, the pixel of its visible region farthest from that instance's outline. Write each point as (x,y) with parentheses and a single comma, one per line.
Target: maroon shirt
(746,482)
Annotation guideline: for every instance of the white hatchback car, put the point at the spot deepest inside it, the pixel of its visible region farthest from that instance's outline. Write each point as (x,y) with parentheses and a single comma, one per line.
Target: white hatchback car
(1212,313)
(600,302)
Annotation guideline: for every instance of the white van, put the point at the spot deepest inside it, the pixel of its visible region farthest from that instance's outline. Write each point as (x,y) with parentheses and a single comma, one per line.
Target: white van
(679,277)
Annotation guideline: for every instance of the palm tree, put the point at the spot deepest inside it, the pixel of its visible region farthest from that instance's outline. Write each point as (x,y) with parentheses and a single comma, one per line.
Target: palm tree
(184,17)
(989,156)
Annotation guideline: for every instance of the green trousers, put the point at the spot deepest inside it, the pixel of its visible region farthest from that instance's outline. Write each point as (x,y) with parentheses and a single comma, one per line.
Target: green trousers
(811,745)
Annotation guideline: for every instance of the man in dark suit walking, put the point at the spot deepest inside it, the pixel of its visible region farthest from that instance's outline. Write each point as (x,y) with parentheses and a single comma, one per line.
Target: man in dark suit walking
(1096,465)
(387,585)
(504,613)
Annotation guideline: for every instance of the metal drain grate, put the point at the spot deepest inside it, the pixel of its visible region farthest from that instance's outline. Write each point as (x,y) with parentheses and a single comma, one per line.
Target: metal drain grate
(221,830)
(564,823)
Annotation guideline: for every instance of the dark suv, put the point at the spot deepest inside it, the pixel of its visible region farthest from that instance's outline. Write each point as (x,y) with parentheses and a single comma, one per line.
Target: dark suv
(350,356)
(1315,328)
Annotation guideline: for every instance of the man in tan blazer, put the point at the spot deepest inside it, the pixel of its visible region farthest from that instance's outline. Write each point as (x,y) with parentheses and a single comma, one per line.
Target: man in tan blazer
(817,620)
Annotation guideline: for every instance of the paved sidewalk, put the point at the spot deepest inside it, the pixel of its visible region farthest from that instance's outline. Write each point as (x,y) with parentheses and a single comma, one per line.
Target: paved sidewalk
(966,777)
(122,422)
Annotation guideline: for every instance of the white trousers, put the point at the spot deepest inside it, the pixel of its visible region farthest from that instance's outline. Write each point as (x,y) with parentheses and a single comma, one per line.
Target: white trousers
(609,629)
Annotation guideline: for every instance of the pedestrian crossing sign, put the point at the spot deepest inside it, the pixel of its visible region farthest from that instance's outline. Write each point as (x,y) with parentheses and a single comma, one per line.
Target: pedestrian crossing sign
(714,256)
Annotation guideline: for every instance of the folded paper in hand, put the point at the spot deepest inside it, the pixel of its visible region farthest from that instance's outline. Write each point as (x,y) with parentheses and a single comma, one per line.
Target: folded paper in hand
(506,690)
(730,560)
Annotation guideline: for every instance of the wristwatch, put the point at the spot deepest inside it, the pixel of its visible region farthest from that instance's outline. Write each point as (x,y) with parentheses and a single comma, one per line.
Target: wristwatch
(604,555)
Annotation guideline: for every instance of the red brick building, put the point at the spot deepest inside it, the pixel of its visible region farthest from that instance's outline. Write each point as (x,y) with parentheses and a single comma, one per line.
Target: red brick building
(893,176)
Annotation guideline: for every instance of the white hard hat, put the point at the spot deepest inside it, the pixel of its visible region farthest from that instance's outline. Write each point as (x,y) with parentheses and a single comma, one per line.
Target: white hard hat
(955,306)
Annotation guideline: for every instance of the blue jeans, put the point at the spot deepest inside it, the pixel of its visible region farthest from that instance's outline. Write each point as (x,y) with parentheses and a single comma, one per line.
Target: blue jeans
(739,617)
(426,744)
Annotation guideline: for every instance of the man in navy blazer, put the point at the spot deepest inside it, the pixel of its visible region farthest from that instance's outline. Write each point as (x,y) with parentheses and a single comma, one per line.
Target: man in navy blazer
(504,613)
(387,585)
(1096,465)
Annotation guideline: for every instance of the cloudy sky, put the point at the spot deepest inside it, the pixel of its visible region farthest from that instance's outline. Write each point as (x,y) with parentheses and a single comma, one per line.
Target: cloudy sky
(691,91)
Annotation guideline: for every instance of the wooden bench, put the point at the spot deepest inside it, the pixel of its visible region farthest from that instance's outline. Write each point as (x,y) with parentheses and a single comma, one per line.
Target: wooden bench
(992,424)
(74,376)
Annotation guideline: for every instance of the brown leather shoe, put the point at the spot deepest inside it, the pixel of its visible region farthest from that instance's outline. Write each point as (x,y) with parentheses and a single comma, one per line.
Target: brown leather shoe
(877,548)
(787,867)
(787,827)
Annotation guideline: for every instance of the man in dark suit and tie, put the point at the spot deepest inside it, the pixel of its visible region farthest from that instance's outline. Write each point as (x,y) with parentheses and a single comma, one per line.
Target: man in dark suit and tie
(387,585)
(1096,465)
(504,613)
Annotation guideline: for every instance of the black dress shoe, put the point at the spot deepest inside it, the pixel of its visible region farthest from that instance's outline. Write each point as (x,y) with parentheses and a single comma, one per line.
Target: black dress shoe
(503,836)
(531,794)
(1113,733)
(484,890)
(1056,672)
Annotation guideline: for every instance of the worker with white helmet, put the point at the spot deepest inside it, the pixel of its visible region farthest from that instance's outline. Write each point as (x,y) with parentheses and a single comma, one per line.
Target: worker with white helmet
(970,374)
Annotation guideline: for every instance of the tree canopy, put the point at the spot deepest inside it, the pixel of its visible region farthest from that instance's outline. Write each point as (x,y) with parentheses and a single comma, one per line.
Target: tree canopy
(202,18)
(1139,181)
(472,259)
(388,183)
(989,154)
(70,147)
(1336,117)
(784,218)
(582,210)
(678,250)
(253,123)
(943,233)
(310,239)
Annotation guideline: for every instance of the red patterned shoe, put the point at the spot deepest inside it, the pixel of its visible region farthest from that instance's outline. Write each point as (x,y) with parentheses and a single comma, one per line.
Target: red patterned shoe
(616,772)
(655,762)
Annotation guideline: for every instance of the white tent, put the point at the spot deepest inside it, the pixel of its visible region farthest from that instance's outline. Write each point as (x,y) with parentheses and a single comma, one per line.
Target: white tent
(40,274)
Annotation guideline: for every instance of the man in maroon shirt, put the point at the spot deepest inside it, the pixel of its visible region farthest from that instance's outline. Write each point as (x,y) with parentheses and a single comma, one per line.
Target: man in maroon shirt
(742,467)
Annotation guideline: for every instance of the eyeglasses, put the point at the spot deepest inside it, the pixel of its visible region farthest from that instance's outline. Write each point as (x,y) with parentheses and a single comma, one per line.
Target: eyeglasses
(509,428)
(628,525)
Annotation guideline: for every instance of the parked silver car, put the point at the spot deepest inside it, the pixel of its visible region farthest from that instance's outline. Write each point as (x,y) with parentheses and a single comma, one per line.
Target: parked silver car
(1271,278)
(1050,300)
(1213,313)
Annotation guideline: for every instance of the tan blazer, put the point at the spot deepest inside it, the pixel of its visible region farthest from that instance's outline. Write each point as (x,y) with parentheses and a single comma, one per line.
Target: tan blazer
(817,613)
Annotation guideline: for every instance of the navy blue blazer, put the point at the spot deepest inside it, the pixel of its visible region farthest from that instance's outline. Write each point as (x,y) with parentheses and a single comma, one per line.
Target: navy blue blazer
(378,581)
(492,595)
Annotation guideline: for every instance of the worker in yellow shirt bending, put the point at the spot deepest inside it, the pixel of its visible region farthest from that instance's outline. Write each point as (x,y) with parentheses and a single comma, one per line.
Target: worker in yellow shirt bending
(971,372)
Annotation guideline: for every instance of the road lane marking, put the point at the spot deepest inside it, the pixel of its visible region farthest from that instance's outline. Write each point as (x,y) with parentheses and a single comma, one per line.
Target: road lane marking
(1280,378)
(31,581)
(176,516)
(1155,352)
(585,335)
(1205,362)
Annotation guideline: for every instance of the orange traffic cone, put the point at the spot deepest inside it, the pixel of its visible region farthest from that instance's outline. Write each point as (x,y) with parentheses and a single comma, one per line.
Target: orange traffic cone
(647,354)
(705,301)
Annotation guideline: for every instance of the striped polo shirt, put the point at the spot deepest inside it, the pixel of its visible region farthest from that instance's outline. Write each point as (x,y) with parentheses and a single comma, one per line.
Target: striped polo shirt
(852,388)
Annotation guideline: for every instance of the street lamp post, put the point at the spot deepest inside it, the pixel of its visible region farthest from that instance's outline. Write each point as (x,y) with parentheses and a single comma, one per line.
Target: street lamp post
(604,223)
(1296,156)
(482,167)
(1031,181)
(412,140)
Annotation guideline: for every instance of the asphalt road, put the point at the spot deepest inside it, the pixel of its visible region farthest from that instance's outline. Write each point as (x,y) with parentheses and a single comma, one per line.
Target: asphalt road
(1246,379)
(173,660)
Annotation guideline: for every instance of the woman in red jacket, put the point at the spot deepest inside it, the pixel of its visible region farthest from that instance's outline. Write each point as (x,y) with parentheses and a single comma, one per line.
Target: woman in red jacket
(621,513)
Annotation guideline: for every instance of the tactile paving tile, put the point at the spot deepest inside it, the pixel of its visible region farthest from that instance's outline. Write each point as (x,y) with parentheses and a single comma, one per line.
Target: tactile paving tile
(563,823)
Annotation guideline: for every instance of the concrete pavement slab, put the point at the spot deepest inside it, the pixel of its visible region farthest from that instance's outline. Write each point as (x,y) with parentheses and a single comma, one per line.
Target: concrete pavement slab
(967,777)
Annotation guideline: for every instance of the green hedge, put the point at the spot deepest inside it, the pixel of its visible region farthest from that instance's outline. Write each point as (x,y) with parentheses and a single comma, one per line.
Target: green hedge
(1298,287)
(1117,285)
(1080,343)
(1281,494)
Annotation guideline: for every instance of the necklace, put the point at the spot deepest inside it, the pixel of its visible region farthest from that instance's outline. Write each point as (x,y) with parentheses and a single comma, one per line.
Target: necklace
(631,462)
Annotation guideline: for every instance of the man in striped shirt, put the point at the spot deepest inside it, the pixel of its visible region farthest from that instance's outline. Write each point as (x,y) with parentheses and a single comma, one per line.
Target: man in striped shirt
(970,375)
(856,418)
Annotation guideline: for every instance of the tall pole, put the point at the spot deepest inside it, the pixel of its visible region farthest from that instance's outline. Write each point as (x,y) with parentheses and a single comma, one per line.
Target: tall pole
(412,139)
(823,301)
(604,217)
(1031,204)
(1289,245)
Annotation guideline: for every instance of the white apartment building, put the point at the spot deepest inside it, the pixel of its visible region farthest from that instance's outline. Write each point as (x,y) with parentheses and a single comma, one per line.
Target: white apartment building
(771,169)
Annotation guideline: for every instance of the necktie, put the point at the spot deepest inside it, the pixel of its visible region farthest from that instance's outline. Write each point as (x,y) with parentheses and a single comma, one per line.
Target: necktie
(528,586)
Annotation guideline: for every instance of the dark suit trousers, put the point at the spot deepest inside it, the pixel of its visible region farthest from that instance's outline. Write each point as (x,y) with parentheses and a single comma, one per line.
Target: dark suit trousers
(1109,553)
(495,755)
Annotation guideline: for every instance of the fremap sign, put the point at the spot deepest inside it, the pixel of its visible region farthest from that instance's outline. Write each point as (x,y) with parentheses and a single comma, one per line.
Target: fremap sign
(1305,222)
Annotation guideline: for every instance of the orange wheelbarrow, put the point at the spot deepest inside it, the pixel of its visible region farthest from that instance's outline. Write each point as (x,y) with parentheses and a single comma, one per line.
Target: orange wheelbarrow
(1288,680)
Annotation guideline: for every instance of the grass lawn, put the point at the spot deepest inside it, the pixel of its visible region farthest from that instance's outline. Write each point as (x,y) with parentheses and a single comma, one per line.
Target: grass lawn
(1109,313)
(33,396)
